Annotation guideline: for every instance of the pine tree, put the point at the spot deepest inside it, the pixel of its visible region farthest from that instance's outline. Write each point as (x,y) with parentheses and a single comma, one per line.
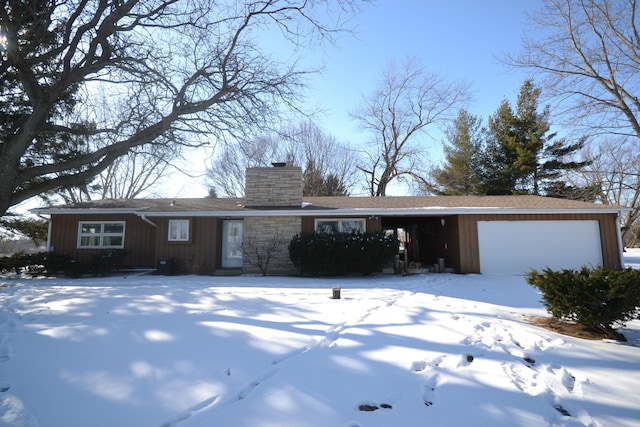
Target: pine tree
(316,183)
(460,174)
(553,163)
(521,155)
(500,160)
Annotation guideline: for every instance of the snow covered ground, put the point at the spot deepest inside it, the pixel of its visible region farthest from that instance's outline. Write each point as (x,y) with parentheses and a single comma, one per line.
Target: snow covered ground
(424,350)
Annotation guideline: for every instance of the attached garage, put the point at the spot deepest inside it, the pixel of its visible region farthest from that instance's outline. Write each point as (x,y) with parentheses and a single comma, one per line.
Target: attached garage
(515,247)
(470,234)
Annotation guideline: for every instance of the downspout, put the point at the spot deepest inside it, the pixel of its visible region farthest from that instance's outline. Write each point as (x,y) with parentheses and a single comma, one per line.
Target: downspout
(48,232)
(619,234)
(145,219)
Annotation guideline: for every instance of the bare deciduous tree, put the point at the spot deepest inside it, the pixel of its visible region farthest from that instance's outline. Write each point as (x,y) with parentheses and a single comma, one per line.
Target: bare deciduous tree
(588,59)
(260,252)
(180,69)
(615,171)
(397,113)
(131,175)
(305,145)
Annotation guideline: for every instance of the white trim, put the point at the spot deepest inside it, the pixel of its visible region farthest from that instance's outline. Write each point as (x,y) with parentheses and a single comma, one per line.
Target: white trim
(365,212)
(339,220)
(179,227)
(49,232)
(337,212)
(101,235)
(235,260)
(95,211)
(620,243)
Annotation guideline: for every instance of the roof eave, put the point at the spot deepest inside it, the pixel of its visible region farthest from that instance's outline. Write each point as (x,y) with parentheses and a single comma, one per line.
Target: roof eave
(92,211)
(310,211)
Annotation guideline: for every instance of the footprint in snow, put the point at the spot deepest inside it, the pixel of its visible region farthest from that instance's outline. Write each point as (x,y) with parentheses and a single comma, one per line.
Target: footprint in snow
(371,407)
(568,380)
(429,390)
(247,390)
(294,353)
(421,365)
(255,383)
(525,379)
(13,412)
(4,354)
(563,411)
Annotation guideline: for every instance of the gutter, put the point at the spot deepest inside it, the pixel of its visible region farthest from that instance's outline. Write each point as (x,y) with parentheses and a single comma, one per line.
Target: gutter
(341,212)
(328,212)
(48,231)
(71,211)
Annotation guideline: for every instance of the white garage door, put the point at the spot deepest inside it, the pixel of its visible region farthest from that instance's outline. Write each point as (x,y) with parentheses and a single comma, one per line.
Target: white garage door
(518,246)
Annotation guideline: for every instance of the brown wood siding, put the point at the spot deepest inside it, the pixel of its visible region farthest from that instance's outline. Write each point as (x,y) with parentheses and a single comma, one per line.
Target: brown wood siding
(308,224)
(139,238)
(468,243)
(452,250)
(468,236)
(200,255)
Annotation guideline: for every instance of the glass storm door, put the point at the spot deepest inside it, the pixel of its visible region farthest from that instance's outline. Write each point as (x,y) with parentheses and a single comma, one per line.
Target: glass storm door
(232,244)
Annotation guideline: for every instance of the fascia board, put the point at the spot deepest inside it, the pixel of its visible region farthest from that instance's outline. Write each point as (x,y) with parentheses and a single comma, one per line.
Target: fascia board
(379,212)
(430,211)
(91,211)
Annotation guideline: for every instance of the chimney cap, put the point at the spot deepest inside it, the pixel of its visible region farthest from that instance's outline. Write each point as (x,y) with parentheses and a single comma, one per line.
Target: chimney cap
(278,164)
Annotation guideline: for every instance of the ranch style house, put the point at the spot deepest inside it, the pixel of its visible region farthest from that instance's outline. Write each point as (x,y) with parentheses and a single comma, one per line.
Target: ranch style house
(462,234)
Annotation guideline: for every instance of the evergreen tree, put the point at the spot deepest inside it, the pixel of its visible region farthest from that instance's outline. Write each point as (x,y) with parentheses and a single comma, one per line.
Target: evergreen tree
(500,160)
(460,174)
(333,186)
(318,183)
(553,163)
(562,190)
(521,155)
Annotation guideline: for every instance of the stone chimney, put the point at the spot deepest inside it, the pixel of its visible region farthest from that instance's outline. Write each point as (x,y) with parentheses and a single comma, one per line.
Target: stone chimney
(278,186)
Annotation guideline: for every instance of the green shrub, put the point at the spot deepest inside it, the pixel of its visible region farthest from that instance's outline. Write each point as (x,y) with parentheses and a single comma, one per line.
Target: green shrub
(105,262)
(600,298)
(22,262)
(324,253)
(56,263)
(101,264)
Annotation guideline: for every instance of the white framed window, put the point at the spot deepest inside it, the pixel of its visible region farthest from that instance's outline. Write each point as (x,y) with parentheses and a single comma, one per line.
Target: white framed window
(178,230)
(340,225)
(98,234)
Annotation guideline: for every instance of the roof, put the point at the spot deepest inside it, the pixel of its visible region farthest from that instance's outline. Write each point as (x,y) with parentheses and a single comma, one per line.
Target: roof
(496,202)
(336,206)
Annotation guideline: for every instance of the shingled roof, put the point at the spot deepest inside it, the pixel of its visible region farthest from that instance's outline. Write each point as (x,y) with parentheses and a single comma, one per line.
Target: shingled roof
(406,205)
(497,202)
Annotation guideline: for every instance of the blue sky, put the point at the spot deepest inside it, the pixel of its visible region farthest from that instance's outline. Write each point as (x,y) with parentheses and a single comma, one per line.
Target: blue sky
(459,39)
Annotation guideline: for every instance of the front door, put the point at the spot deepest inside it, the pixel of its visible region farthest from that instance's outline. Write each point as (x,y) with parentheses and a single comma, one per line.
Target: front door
(232,244)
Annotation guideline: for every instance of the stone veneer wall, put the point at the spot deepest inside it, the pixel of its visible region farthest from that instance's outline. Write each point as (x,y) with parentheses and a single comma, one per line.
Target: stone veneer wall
(259,233)
(276,186)
(271,187)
